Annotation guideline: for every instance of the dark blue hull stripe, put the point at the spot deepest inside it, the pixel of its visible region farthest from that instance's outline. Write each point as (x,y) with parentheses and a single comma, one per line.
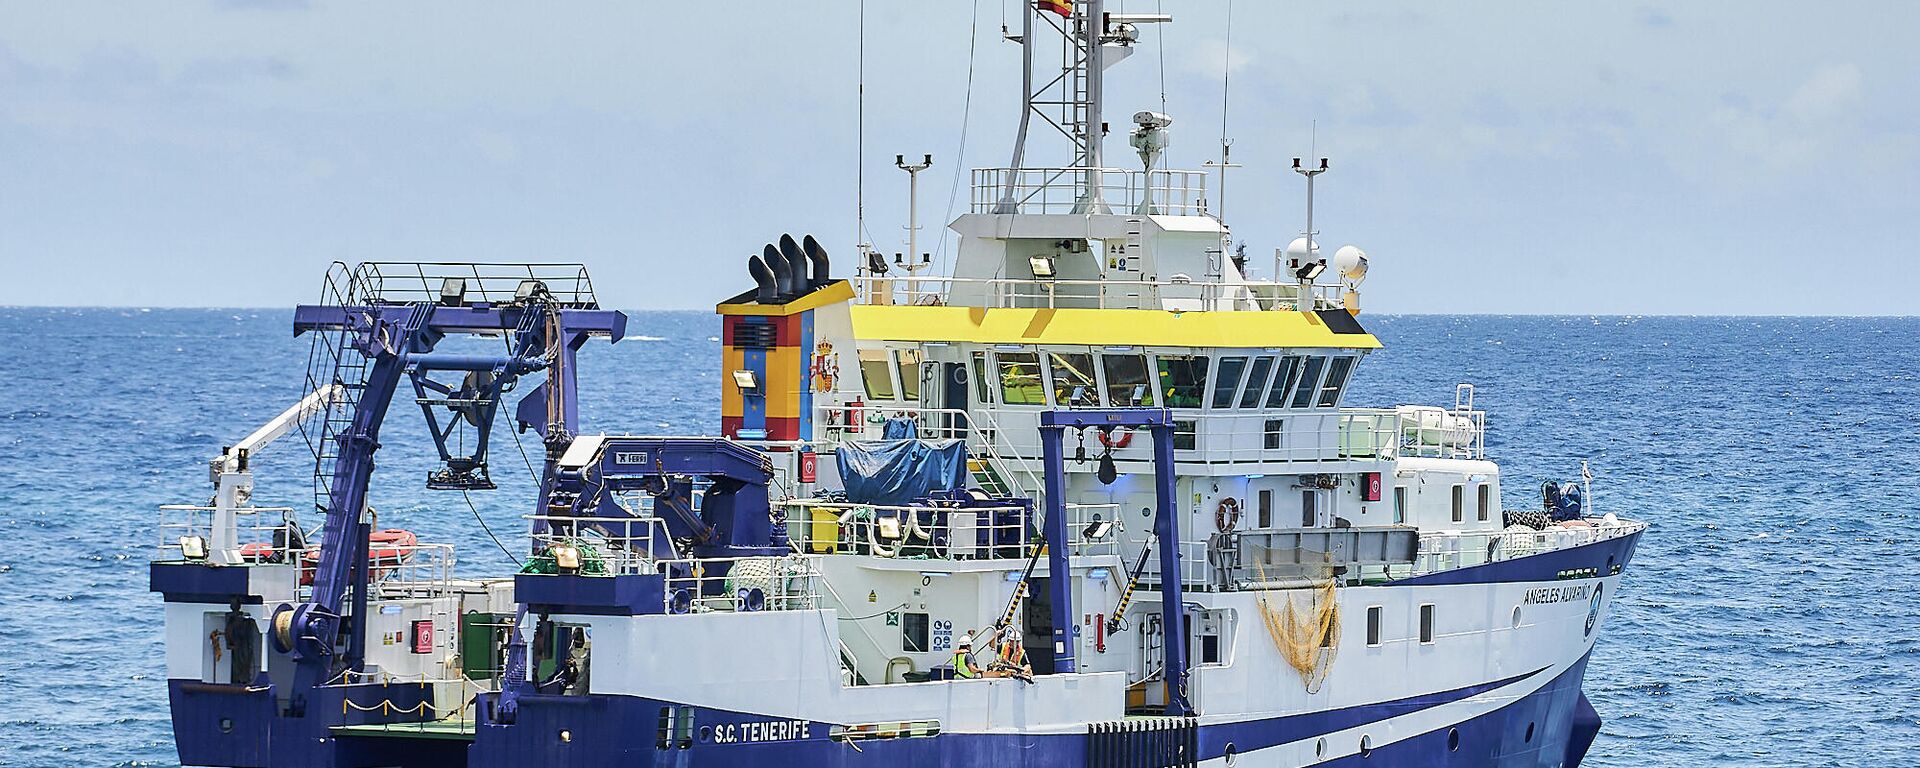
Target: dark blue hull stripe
(1249,735)
(1601,557)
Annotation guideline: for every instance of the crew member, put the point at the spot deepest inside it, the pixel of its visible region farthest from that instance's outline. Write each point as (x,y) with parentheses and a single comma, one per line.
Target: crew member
(963,666)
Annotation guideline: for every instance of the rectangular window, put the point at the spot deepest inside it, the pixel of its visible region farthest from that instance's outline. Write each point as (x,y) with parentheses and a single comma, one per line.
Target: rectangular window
(1373,625)
(1226,381)
(1426,623)
(913,632)
(1459,503)
(1486,501)
(1266,508)
(1185,434)
(1183,378)
(1256,382)
(1309,381)
(1020,382)
(1073,383)
(982,392)
(877,373)
(909,364)
(1127,381)
(1399,505)
(1283,380)
(1275,433)
(1337,373)
(1309,511)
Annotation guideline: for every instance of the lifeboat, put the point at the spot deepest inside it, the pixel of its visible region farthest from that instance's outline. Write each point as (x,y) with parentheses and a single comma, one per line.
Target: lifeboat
(386,550)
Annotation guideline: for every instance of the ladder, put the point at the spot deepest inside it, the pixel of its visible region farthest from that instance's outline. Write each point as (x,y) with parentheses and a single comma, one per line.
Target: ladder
(332,359)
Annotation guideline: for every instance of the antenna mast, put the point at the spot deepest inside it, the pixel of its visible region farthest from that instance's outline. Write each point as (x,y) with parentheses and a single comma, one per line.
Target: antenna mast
(1071,102)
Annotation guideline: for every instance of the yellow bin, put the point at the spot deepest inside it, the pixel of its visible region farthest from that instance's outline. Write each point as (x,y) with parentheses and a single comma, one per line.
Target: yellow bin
(825,536)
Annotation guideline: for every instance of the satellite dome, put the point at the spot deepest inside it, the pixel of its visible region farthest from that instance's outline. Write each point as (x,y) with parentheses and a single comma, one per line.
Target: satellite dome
(1298,250)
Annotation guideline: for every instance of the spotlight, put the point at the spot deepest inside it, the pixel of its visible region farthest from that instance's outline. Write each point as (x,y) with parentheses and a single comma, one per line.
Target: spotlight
(1098,530)
(193,547)
(453,291)
(1312,269)
(747,382)
(566,557)
(528,289)
(1042,267)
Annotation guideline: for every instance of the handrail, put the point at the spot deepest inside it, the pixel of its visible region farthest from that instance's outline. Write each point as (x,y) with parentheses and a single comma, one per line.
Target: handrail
(1101,293)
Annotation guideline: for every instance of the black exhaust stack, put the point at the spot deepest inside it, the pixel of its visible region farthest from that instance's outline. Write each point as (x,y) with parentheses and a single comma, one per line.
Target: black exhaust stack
(817,258)
(767,289)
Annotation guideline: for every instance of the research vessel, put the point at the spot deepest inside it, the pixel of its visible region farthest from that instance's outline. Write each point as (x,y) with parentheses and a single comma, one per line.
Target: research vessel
(1091,497)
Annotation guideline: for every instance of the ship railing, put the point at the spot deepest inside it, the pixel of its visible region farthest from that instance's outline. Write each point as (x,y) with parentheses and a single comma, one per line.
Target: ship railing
(410,571)
(942,533)
(608,546)
(740,584)
(491,283)
(186,533)
(1142,293)
(1448,550)
(1065,190)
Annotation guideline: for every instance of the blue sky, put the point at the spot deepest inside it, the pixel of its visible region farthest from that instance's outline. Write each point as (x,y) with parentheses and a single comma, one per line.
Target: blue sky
(1527,157)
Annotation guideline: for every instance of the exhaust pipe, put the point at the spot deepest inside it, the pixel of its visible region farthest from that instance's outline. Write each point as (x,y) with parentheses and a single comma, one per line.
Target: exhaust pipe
(817,258)
(782,272)
(798,261)
(767,289)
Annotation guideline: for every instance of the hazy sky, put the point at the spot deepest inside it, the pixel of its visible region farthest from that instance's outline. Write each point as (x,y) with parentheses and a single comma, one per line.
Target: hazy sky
(1688,158)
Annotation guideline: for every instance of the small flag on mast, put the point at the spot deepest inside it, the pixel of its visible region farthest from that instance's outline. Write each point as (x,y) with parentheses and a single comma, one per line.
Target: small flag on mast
(1062,7)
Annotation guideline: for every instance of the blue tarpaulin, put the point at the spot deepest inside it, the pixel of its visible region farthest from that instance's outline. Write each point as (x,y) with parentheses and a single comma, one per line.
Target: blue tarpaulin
(895,472)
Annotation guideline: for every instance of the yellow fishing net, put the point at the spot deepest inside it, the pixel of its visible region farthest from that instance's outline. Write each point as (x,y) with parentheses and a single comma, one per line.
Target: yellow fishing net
(1308,635)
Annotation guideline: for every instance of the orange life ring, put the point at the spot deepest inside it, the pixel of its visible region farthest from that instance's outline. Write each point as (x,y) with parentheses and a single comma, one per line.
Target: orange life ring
(1125,439)
(1227,516)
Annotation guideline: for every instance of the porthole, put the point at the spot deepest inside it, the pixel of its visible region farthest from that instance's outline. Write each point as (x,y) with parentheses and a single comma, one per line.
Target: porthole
(226,725)
(1453,739)
(1320,749)
(1366,745)
(1231,752)
(1529,733)
(1516,617)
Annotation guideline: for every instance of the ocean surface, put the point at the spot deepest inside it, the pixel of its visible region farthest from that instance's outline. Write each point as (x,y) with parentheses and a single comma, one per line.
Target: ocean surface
(1771,617)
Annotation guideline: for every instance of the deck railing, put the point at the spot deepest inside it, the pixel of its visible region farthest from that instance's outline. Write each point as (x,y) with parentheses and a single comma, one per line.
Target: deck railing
(1065,190)
(1118,293)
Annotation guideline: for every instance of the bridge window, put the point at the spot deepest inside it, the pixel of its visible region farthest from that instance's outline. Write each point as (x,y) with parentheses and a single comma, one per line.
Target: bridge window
(1073,383)
(1186,434)
(981,391)
(1337,373)
(1275,432)
(1226,381)
(1184,379)
(1127,381)
(877,372)
(1256,382)
(1020,382)
(1309,380)
(1486,501)
(1283,381)
(909,364)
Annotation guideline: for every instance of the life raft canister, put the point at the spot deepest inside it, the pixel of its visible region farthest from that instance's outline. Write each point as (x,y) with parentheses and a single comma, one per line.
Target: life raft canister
(1226,517)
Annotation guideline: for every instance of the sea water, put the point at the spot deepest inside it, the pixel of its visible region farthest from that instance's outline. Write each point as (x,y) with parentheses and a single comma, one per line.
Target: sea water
(1770,616)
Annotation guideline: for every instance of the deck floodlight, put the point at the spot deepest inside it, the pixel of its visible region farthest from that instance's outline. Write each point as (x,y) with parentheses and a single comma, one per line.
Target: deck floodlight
(453,291)
(747,382)
(566,557)
(1098,530)
(528,289)
(193,547)
(1310,270)
(1042,267)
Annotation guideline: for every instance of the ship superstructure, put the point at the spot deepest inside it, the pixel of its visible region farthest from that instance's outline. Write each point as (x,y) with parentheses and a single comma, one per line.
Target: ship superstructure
(1092,498)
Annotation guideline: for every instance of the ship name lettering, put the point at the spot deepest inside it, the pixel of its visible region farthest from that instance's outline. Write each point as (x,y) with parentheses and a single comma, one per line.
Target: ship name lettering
(1548,595)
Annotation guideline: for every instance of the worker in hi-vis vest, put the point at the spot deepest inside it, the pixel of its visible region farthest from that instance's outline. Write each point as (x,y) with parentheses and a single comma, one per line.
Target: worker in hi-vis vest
(963,665)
